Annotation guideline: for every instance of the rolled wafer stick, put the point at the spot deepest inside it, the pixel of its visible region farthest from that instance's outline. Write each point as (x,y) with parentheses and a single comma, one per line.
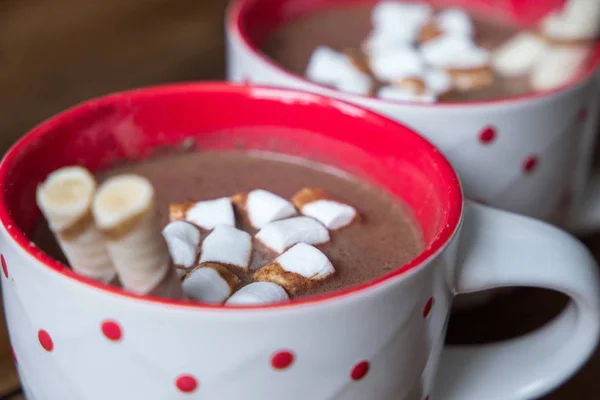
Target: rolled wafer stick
(125,211)
(65,199)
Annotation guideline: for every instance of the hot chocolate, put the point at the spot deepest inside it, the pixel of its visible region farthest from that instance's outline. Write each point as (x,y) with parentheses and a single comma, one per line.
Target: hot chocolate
(372,235)
(412,51)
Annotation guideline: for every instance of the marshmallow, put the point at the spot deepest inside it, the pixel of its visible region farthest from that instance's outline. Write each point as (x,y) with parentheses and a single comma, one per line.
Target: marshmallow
(280,235)
(557,66)
(518,54)
(579,21)
(400,63)
(65,198)
(183,241)
(124,209)
(401,19)
(210,283)
(297,269)
(455,21)
(228,246)
(454,52)
(205,214)
(317,204)
(585,15)
(331,68)
(262,207)
(403,94)
(258,293)
(438,81)
(323,64)
(382,42)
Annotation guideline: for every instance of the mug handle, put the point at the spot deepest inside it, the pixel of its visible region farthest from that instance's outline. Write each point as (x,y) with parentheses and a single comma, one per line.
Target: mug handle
(500,249)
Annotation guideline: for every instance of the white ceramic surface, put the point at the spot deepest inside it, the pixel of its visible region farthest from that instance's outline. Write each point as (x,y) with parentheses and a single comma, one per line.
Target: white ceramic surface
(75,340)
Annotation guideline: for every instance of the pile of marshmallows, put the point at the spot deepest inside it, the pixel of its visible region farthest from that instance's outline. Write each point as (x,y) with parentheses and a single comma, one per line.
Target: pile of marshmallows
(421,56)
(291,238)
(112,234)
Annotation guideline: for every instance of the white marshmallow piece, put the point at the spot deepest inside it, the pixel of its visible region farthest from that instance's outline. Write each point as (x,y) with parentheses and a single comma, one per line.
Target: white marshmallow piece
(401,20)
(307,261)
(210,213)
(228,246)
(280,235)
(331,68)
(585,15)
(573,24)
(383,42)
(397,64)
(207,285)
(264,207)
(455,21)
(518,55)
(437,81)
(558,66)
(323,64)
(394,93)
(332,214)
(454,52)
(258,293)
(183,241)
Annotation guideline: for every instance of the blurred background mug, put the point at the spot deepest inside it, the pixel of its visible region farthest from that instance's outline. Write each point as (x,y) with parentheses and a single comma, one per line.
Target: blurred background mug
(76,339)
(530,154)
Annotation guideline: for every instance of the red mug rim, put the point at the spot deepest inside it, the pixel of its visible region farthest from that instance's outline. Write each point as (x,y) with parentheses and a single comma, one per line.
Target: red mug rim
(452,210)
(235,25)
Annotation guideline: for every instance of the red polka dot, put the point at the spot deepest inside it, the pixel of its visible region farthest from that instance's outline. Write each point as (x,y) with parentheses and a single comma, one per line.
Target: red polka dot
(282,359)
(112,330)
(14,354)
(428,307)
(487,135)
(4,267)
(45,340)
(582,116)
(186,383)
(530,164)
(359,371)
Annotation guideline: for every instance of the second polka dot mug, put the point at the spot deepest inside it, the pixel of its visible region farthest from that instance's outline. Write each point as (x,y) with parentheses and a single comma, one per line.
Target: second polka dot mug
(529,154)
(76,339)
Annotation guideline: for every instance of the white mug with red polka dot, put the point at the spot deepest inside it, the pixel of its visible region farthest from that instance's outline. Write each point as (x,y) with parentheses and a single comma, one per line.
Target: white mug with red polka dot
(530,154)
(76,339)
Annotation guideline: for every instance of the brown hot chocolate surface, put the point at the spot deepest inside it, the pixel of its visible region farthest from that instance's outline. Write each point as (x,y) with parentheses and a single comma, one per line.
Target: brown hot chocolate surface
(344,28)
(385,238)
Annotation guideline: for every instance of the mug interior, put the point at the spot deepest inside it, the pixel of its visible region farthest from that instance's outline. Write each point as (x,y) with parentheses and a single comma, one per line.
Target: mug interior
(254,21)
(135,125)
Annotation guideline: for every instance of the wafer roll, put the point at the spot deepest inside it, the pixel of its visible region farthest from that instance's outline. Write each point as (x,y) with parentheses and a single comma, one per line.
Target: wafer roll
(65,199)
(125,211)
